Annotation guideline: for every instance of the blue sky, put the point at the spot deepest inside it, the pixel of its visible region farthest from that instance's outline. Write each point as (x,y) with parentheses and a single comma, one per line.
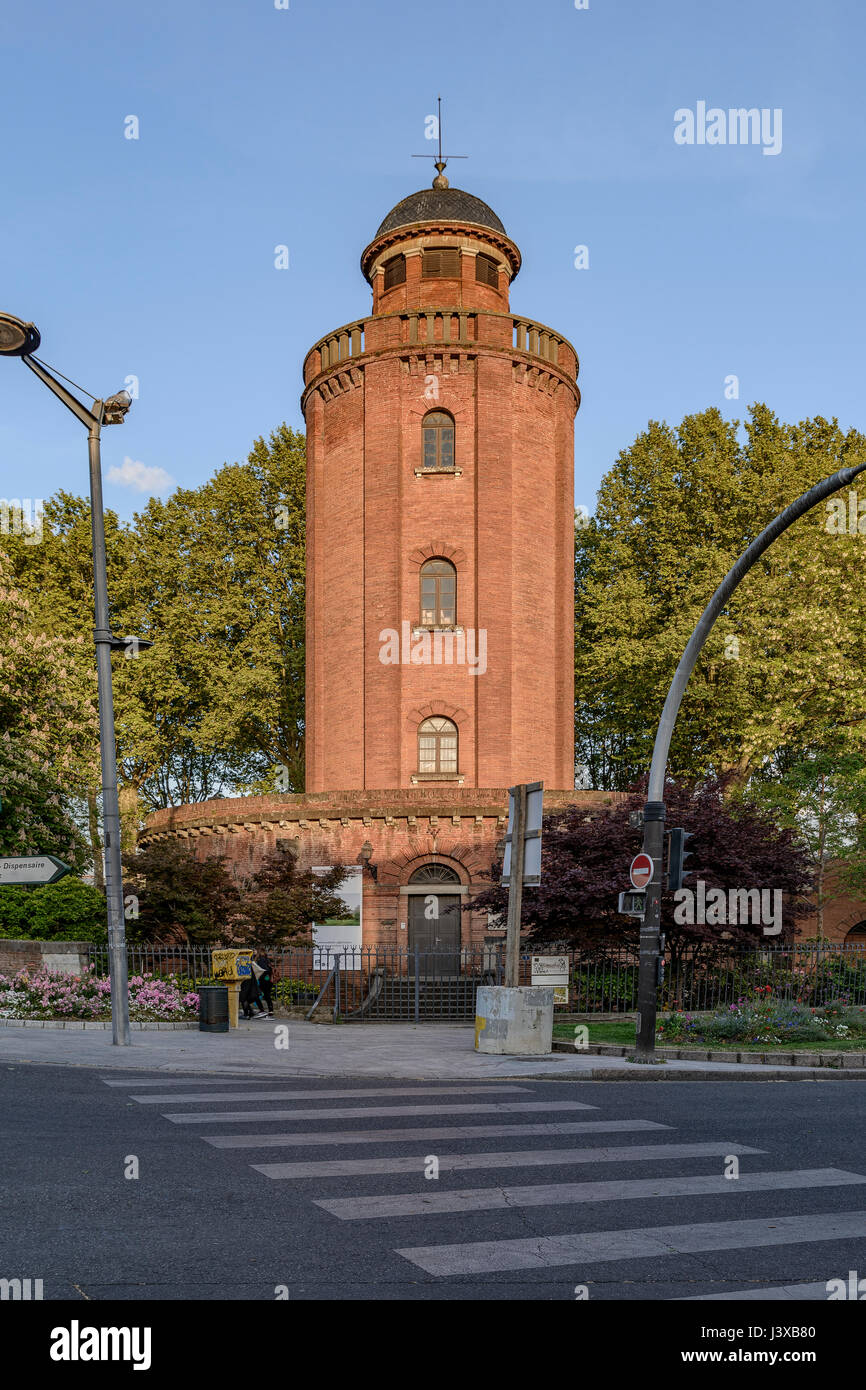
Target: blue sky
(260,127)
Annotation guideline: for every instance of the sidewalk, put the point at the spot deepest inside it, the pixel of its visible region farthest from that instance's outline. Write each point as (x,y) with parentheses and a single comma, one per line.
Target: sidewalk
(437,1051)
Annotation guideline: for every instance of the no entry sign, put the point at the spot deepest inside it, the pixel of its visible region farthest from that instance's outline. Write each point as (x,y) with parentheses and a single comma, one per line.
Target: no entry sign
(641,870)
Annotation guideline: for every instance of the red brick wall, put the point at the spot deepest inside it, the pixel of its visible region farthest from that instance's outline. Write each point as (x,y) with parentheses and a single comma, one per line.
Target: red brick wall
(68,957)
(406,828)
(506,517)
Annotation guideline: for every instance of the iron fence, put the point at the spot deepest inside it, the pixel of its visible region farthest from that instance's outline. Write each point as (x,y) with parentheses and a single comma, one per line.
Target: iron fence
(384,984)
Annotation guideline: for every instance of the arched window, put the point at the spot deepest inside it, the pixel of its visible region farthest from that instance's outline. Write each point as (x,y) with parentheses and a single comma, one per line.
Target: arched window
(437,432)
(437,745)
(434,873)
(438,594)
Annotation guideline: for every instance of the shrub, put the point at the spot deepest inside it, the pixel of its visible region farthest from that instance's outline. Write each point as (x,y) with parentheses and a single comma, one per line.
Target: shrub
(289,989)
(763,1020)
(69,910)
(88,997)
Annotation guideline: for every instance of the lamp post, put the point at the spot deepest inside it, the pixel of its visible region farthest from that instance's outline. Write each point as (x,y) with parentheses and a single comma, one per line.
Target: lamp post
(19,339)
(654,810)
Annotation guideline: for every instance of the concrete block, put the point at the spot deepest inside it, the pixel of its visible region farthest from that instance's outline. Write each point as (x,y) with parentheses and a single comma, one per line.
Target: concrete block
(518,1022)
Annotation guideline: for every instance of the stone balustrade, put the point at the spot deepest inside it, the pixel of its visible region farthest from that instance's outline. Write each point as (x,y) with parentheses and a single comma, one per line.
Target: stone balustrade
(454,327)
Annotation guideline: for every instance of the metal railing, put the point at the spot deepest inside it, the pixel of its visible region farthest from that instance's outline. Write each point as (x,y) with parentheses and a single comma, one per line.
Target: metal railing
(384,984)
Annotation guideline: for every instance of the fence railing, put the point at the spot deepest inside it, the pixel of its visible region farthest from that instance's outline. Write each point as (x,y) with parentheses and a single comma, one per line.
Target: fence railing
(381,983)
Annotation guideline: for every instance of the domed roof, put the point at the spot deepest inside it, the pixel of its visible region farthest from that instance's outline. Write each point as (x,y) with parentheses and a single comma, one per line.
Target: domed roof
(440,205)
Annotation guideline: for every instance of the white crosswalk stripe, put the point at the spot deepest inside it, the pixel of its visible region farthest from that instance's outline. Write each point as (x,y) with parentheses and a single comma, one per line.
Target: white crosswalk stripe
(584,1248)
(333,1095)
(491,1111)
(519,1158)
(323,1137)
(375,1111)
(786,1292)
(572,1193)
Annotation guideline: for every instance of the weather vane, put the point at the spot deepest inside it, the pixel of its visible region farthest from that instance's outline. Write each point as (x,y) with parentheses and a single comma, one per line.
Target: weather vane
(441,159)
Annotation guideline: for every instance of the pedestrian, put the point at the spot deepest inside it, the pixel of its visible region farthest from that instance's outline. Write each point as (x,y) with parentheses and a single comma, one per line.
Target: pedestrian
(265,976)
(256,975)
(249,995)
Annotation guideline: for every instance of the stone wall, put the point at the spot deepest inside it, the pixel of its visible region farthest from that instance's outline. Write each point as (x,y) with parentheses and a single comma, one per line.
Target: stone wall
(58,957)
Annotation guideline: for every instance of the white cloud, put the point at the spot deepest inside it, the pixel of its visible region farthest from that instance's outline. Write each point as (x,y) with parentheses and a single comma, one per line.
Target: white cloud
(140,477)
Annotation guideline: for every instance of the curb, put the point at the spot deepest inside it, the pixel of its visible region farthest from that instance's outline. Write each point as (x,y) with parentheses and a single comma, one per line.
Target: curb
(651,1073)
(835,1061)
(79,1025)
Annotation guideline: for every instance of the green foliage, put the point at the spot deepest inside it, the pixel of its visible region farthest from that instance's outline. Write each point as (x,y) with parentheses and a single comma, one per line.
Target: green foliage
(289,990)
(608,989)
(46,727)
(280,900)
(215,577)
(178,896)
(217,580)
(785,659)
(763,1019)
(68,910)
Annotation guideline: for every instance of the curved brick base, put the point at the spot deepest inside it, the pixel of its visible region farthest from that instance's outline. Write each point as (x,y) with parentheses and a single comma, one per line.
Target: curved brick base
(457,826)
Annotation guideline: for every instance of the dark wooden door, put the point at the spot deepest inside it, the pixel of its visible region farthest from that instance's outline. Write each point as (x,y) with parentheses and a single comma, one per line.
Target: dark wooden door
(434,928)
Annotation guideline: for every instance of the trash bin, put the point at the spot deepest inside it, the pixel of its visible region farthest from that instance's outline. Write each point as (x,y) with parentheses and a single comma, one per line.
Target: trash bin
(213,1009)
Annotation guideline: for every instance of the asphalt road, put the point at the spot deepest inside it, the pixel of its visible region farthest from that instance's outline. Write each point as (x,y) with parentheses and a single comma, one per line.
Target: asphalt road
(317,1187)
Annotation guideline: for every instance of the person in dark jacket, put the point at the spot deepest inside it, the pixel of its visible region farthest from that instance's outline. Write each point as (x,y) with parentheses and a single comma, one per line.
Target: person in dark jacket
(250,995)
(266,980)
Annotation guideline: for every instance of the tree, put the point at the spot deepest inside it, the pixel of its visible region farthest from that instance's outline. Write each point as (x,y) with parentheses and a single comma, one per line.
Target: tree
(820,793)
(55,579)
(46,719)
(785,659)
(215,577)
(218,580)
(179,896)
(280,900)
(585,865)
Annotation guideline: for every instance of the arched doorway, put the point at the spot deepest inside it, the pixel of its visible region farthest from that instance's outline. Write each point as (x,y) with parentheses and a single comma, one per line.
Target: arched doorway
(857,936)
(434,921)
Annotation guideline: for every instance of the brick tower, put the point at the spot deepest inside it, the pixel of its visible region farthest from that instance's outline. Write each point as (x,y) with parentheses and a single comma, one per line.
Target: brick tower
(440,447)
(440,613)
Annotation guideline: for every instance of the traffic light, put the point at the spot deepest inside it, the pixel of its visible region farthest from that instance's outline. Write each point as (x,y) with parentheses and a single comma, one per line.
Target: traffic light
(677,855)
(632,903)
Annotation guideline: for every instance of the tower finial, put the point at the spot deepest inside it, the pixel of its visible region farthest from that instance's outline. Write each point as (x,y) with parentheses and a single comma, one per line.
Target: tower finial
(440,161)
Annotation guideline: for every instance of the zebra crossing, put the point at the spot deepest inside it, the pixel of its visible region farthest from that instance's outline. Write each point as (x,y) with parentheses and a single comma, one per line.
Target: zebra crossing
(569,1230)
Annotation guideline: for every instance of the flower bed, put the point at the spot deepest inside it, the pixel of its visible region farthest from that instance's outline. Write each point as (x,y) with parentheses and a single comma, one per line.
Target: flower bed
(40,995)
(760,1018)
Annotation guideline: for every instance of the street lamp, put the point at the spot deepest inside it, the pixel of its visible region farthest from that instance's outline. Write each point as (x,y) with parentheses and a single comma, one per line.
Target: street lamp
(19,339)
(654,810)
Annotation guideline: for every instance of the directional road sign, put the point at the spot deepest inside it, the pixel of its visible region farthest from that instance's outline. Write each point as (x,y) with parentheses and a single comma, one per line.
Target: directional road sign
(40,868)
